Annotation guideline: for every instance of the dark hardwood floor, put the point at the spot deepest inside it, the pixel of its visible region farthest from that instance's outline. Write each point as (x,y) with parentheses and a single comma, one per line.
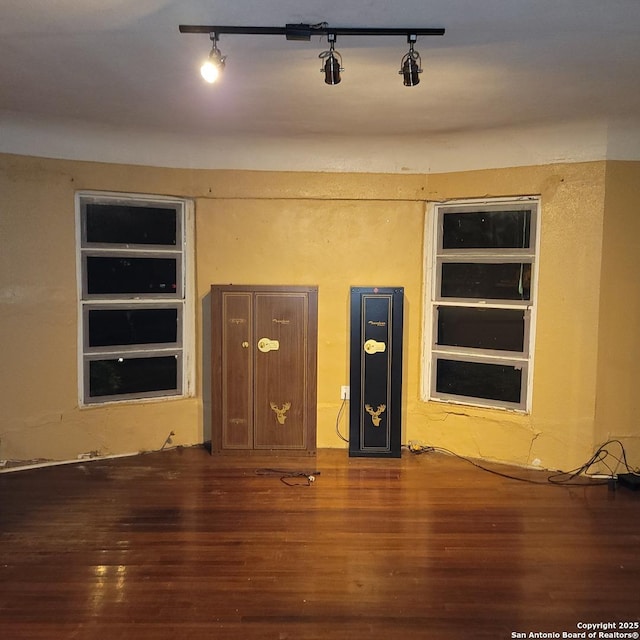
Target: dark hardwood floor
(178,544)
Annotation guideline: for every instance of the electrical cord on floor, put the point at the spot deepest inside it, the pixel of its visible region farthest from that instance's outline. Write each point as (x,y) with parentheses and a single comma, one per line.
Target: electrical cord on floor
(418,449)
(290,477)
(344,401)
(599,457)
(562,478)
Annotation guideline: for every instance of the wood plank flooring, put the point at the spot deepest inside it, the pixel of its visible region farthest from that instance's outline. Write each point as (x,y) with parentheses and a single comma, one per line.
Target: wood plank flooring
(182,545)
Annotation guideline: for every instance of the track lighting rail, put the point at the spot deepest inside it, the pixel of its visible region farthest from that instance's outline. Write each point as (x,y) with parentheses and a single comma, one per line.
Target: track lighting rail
(305,31)
(410,67)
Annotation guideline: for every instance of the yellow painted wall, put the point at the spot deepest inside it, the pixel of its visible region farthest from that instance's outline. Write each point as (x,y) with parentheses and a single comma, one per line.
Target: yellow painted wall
(333,230)
(618,401)
(559,430)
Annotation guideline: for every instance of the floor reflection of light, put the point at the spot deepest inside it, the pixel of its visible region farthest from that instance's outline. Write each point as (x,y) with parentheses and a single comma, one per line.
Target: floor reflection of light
(121,582)
(109,585)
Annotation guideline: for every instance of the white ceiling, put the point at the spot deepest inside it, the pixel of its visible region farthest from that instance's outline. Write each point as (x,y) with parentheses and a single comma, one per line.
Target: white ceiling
(511,81)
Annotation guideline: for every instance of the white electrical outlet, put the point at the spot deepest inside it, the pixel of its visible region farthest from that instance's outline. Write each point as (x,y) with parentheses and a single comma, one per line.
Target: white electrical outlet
(344,392)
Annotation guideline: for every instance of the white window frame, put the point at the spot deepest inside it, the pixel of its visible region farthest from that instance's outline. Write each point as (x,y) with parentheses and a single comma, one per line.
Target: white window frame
(184,346)
(435,255)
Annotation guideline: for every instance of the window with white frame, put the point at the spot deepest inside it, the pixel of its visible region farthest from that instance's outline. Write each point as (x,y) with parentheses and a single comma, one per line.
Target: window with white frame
(134,291)
(481,303)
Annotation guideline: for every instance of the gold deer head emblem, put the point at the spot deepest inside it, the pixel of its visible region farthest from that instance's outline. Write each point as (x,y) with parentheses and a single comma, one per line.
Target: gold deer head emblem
(281,411)
(375,415)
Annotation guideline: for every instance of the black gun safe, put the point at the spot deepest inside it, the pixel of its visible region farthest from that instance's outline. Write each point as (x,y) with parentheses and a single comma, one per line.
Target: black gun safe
(375,415)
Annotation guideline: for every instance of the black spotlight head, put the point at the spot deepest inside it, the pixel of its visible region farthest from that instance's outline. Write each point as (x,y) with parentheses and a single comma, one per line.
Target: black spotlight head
(410,71)
(332,70)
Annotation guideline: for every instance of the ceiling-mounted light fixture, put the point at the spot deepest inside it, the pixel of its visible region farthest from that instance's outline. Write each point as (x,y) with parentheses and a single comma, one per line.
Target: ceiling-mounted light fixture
(410,66)
(332,66)
(214,64)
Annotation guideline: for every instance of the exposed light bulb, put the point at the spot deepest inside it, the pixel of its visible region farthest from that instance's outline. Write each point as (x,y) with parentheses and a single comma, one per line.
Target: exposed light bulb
(410,71)
(214,64)
(410,65)
(210,71)
(332,70)
(332,66)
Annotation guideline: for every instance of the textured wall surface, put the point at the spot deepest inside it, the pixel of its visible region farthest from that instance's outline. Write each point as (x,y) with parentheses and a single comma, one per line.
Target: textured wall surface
(334,231)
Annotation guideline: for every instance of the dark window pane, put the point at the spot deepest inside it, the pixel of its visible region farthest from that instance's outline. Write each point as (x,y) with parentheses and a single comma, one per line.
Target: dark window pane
(501,329)
(113,275)
(121,224)
(132,326)
(479,380)
(487,230)
(483,280)
(132,375)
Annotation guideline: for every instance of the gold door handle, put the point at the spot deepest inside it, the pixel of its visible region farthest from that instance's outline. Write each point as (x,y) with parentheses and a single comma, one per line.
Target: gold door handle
(265,345)
(373,346)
